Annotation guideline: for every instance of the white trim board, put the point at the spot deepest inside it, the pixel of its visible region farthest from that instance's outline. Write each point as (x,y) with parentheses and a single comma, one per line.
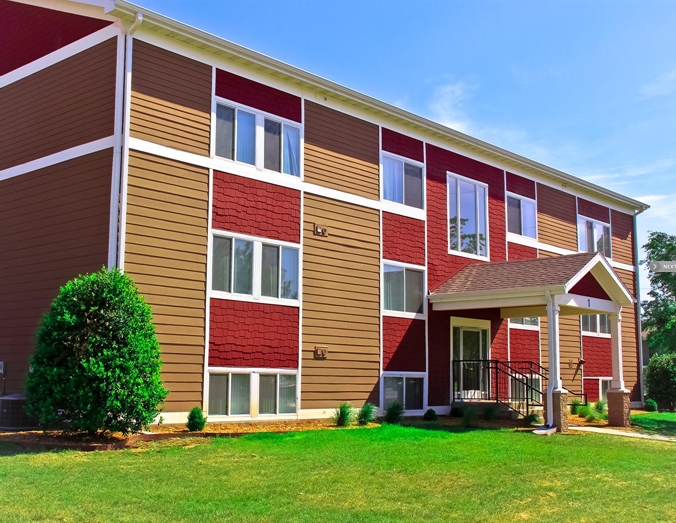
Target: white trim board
(60,157)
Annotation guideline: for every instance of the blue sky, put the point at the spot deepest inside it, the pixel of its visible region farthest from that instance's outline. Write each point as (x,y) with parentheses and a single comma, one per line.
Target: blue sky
(585,87)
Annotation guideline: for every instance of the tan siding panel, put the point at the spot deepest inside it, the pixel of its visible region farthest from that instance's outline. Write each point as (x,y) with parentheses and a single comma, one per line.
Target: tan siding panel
(341,151)
(166,254)
(340,308)
(170,100)
(622,237)
(67,236)
(53,109)
(557,218)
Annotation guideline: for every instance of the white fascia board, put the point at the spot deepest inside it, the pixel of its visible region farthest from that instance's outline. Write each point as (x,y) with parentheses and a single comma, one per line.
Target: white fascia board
(593,305)
(128,11)
(525,292)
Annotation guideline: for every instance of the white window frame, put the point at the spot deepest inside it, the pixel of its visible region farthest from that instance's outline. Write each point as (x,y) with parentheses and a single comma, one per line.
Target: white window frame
(449,175)
(597,333)
(404,375)
(403,314)
(523,326)
(254,386)
(257,267)
(402,208)
(594,224)
(535,218)
(529,379)
(260,116)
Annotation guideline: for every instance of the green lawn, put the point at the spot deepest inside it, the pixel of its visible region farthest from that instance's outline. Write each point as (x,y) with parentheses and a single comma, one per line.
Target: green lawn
(383,474)
(656,422)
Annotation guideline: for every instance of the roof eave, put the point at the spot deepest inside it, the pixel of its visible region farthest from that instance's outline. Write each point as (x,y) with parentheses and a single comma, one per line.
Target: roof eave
(502,293)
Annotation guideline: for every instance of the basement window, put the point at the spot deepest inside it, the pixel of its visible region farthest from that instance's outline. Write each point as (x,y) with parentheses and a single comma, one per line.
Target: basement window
(407,390)
(234,393)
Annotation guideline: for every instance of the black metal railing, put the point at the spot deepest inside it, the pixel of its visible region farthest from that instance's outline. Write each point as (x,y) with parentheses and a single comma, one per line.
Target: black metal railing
(518,385)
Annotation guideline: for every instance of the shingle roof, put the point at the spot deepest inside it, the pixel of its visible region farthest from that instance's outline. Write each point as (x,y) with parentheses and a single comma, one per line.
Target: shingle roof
(540,272)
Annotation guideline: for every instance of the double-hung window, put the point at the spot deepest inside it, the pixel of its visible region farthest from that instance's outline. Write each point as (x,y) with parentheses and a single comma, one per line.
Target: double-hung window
(256,268)
(593,236)
(252,138)
(402,182)
(595,324)
(521,216)
(467,216)
(403,289)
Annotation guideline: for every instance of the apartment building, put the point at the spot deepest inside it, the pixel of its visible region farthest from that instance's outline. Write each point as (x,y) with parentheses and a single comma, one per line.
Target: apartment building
(301,244)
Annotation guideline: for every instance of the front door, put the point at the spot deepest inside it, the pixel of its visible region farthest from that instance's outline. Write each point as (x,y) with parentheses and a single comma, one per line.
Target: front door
(470,365)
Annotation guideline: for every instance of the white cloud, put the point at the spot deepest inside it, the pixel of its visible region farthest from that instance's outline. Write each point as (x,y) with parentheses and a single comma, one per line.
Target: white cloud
(446,105)
(664,85)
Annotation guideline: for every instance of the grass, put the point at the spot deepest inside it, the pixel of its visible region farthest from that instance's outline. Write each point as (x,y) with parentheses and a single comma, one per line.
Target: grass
(389,473)
(656,422)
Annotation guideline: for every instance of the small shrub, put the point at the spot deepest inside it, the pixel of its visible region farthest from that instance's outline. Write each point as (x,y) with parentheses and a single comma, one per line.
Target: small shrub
(394,412)
(574,406)
(583,411)
(196,420)
(490,412)
(532,420)
(366,414)
(660,380)
(593,415)
(430,415)
(457,412)
(600,406)
(650,405)
(469,417)
(343,415)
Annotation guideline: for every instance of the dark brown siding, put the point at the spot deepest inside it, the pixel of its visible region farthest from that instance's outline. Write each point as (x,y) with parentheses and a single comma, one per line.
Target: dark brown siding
(557,218)
(166,254)
(170,99)
(623,237)
(54,225)
(341,300)
(341,151)
(67,104)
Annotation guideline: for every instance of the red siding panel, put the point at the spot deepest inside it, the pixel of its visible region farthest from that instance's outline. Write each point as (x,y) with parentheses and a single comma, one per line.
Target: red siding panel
(524,345)
(257,95)
(597,354)
(588,286)
(520,185)
(257,208)
(591,389)
(403,344)
(521,252)
(403,239)
(30,32)
(244,334)
(394,142)
(593,210)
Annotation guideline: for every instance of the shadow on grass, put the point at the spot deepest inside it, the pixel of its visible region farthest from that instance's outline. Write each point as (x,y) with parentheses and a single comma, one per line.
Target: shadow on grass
(664,427)
(459,428)
(8,450)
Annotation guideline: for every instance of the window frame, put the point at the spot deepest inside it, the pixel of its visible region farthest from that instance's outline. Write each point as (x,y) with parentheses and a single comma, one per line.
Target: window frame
(523,326)
(402,208)
(509,194)
(256,295)
(404,375)
(594,224)
(597,333)
(259,153)
(254,392)
(403,314)
(459,177)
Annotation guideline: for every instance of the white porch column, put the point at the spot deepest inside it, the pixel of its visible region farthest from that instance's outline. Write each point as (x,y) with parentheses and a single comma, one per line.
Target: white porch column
(556,395)
(615,320)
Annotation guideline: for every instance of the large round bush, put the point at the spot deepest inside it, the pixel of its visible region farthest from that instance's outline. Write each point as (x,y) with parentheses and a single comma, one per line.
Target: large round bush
(97,360)
(660,380)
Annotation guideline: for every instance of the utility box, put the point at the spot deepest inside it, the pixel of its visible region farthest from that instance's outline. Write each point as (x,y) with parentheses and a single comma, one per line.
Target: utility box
(12,414)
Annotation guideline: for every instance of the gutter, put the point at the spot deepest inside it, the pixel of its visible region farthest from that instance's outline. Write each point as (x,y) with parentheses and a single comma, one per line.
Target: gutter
(639,315)
(122,7)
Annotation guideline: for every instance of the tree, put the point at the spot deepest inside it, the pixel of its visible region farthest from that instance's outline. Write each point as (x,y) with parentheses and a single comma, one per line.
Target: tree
(660,380)
(97,360)
(659,312)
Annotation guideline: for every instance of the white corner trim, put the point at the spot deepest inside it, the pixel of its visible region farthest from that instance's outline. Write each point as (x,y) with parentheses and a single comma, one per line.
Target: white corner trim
(60,54)
(61,156)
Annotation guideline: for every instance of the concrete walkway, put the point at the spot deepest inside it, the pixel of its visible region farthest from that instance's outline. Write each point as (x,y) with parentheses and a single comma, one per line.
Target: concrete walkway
(625,433)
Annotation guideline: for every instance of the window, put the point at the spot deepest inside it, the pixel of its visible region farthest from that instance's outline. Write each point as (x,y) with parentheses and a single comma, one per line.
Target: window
(595,324)
(406,390)
(232,393)
(254,268)
(403,289)
(236,140)
(605,387)
(402,182)
(521,216)
(467,216)
(532,322)
(593,236)
(532,391)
